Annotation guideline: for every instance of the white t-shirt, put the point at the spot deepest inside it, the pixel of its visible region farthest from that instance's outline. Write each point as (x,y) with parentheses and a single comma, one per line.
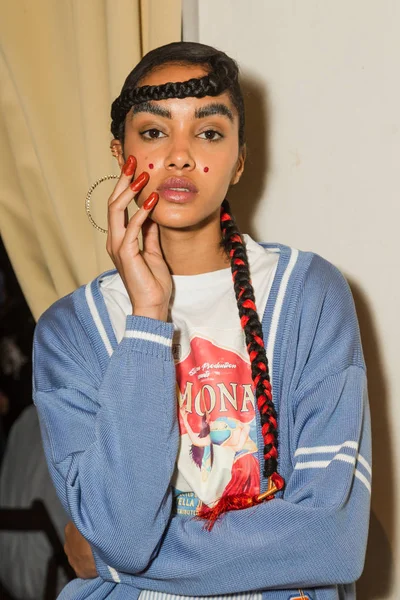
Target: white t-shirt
(218,449)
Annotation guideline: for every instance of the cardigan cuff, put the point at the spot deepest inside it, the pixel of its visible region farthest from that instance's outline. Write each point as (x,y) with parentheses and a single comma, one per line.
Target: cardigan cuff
(149,335)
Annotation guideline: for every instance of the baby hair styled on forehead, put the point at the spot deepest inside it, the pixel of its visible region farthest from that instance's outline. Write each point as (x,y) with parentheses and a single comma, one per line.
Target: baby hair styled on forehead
(222,76)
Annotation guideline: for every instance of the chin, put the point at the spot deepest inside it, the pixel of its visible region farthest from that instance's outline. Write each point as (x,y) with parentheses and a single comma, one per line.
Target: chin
(172,216)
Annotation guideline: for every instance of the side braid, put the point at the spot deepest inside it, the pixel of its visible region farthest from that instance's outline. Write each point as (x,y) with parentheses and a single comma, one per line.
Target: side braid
(234,245)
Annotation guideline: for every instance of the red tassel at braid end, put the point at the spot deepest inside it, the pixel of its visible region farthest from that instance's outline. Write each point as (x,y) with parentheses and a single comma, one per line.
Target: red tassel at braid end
(227,503)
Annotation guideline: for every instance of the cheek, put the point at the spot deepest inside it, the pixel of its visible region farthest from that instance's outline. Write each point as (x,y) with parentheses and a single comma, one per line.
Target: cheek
(218,164)
(144,162)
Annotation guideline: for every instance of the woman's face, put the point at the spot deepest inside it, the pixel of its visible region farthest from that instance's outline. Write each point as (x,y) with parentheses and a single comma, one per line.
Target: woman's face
(192,139)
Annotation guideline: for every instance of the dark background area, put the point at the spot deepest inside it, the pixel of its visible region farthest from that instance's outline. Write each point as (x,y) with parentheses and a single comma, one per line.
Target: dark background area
(16,333)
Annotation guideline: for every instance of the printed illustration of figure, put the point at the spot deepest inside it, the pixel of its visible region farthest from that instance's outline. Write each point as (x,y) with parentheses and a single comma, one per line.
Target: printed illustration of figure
(201,449)
(226,432)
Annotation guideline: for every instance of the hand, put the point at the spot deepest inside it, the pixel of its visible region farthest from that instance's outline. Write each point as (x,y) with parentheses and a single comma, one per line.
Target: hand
(79,553)
(145,273)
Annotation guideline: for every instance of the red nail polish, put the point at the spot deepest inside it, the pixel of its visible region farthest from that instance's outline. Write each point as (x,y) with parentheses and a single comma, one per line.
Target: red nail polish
(151,201)
(130,166)
(140,182)
(206,169)
(151,166)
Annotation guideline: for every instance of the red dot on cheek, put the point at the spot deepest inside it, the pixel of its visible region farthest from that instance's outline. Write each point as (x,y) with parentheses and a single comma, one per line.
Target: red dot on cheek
(206,169)
(151,166)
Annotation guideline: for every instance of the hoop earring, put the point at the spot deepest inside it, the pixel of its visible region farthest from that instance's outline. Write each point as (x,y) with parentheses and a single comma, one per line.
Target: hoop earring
(89,195)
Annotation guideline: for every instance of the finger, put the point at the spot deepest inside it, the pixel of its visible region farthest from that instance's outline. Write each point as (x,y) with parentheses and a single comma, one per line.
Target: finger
(136,222)
(151,238)
(116,212)
(127,172)
(67,528)
(139,183)
(129,192)
(126,193)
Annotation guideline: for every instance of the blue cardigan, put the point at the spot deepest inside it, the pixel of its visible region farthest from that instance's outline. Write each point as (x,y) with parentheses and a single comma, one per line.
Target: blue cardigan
(110,431)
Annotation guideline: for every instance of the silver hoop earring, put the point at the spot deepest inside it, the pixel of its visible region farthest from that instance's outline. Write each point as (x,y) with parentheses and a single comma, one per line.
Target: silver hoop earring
(89,195)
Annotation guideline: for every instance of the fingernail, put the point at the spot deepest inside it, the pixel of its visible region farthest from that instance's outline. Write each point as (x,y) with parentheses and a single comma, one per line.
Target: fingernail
(151,201)
(140,181)
(130,166)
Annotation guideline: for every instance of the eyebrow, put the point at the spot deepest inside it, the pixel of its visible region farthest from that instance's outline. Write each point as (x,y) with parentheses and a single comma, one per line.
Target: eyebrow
(214,108)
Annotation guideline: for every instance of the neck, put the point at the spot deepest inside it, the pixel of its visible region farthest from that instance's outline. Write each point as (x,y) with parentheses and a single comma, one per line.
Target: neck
(194,251)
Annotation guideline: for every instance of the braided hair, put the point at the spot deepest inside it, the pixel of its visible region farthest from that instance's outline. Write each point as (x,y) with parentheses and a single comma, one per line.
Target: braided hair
(222,76)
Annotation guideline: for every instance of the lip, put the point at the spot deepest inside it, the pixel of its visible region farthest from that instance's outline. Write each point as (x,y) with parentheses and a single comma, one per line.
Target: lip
(178,196)
(178,182)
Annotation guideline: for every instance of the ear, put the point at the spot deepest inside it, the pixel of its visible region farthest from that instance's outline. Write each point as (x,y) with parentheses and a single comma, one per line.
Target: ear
(239,165)
(116,151)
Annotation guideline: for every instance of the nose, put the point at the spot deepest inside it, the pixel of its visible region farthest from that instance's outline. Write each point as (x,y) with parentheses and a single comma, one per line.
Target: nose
(180,157)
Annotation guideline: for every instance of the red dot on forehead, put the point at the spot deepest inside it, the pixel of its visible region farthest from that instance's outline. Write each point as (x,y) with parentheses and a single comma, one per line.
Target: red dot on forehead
(151,166)
(206,169)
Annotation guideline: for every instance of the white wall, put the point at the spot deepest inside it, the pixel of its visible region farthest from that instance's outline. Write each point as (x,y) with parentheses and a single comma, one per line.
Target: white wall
(324,121)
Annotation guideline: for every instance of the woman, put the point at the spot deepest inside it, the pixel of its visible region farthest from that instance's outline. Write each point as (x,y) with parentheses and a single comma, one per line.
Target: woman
(112,359)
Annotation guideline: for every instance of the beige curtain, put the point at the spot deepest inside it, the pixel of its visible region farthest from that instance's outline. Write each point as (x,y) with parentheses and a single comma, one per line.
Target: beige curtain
(62,62)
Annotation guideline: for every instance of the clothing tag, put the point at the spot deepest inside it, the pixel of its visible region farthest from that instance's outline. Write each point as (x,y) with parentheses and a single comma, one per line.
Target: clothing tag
(186,503)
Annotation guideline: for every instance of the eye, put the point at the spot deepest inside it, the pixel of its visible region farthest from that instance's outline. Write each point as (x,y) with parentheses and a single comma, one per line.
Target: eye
(152,134)
(211,135)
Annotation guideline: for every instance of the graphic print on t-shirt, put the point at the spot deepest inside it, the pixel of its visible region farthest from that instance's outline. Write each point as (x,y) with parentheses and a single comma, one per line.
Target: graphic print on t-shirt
(218,453)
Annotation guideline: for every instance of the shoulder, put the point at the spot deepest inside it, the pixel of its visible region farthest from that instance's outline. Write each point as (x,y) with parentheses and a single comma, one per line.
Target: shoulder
(321,315)
(63,315)
(326,290)
(60,341)
(315,304)
(74,313)
(68,339)
(308,273)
